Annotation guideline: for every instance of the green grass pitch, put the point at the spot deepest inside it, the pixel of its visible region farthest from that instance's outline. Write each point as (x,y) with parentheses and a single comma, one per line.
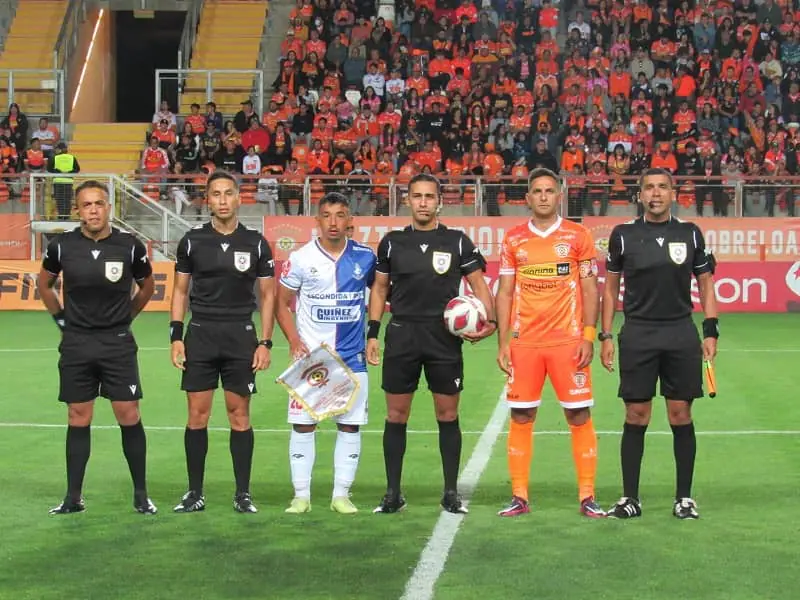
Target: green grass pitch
(745,546)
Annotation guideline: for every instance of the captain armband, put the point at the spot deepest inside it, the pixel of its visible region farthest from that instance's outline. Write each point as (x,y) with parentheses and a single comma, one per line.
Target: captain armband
(373,328)
(711,328)
(587,268)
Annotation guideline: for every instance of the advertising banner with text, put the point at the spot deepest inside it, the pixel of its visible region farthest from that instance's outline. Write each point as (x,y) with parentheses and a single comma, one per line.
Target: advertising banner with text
(15,237)
(758,259)
(732,240)
(18,285)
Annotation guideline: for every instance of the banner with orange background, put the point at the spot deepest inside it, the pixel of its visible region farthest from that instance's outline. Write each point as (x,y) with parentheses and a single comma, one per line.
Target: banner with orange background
(15,236)
(18,286)
(731,239)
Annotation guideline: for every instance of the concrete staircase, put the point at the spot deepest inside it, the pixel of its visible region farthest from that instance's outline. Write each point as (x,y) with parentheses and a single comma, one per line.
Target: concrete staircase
(29,45)
(108,147)
(228,37)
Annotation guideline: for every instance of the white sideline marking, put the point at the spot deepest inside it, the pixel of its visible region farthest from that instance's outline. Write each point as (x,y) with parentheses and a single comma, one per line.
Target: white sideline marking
(745,432)
(434,556)
(789,349)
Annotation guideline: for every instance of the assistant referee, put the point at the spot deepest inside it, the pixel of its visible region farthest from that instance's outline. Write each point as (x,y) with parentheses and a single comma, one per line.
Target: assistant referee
(658,255)
(223,259)
(424,265)
(99,265)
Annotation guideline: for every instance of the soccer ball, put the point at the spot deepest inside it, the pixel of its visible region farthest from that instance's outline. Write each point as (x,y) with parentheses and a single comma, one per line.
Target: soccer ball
(464,314)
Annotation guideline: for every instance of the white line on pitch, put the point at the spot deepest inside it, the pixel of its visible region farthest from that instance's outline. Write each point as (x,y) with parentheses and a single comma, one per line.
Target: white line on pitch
(420,585)
(723,433)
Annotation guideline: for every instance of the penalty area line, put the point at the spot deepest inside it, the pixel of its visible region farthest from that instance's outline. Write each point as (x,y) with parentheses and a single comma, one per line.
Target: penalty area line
(430,565)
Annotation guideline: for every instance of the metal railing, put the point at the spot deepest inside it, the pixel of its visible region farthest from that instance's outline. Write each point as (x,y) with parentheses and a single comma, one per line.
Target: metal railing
(8,8)
(68,35)
(268,194)
(185,81)
(47,80)
(133,210)
(189,33)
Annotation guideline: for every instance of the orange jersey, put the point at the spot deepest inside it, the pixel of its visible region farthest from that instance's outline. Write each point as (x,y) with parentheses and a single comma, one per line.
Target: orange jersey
(548,267)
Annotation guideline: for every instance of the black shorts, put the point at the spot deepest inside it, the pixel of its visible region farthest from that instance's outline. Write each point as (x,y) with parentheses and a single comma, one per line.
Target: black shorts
(410,346)
(220,350)
(96,364)
(671,353)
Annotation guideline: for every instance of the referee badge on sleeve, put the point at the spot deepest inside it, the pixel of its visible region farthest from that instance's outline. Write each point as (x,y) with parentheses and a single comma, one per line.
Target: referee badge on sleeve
(241,261)
(677,252)
(114,271)
(441,262)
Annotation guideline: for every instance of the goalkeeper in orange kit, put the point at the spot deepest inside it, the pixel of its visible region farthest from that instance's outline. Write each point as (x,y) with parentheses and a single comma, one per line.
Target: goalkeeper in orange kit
(547,306)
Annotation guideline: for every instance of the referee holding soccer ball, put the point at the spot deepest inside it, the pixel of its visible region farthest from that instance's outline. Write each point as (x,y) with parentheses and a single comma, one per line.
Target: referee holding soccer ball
(658,255)
(423,264)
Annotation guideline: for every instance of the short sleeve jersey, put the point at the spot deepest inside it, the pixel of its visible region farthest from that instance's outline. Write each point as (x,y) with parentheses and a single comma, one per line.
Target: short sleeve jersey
(547,266)
(657,261)
(224,269)
(425,269)
(98,277)
(331,295)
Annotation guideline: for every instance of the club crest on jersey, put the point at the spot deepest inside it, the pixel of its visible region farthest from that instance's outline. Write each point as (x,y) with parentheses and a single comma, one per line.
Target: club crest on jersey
(677,252)
(113,271)
(441,262)
(579,379)
(358,272)
(242,261)
(561,249)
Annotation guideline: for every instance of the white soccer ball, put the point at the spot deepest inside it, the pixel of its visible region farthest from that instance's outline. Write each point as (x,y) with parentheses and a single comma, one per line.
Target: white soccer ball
(464,315)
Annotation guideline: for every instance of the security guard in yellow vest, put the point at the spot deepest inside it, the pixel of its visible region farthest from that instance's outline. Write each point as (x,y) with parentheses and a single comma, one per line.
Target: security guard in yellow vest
(63,162)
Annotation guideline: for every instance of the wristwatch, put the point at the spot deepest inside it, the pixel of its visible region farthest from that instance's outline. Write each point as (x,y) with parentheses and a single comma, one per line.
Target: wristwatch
(266,343)
(604,335)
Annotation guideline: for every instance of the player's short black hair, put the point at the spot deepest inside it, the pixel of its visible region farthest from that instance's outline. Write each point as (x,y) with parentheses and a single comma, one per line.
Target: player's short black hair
(543,172)
(220,174)
(91,184)
(334,198)
(656,171)
(427,178)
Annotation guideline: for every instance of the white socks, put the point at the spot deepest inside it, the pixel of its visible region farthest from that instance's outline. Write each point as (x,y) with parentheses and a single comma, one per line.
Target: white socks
(345,462)
(302,452)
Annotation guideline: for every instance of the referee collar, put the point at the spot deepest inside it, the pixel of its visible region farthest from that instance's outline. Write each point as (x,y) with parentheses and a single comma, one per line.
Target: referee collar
(112,231)
(439,227)
(669,221)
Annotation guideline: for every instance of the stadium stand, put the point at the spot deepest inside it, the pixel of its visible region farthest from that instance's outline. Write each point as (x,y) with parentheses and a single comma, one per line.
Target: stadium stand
(108,147)
(29,45)
(228,38)
(368,93)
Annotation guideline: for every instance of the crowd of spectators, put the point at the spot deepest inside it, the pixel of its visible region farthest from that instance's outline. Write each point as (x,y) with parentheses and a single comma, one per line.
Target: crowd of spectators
(598,91)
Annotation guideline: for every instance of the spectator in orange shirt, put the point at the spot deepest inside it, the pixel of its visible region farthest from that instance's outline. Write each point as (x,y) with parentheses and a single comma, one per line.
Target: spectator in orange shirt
(196,120)
(664,158)
(155,160)
(318,160)
(548,18)
(466,9)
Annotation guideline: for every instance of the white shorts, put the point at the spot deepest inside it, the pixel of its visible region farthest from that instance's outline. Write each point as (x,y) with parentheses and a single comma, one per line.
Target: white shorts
(355,416)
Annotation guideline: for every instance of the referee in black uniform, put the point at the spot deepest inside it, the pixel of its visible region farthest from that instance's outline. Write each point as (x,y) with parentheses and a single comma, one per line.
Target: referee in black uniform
(658,254)
(223,260)
(423,264)
(99,265)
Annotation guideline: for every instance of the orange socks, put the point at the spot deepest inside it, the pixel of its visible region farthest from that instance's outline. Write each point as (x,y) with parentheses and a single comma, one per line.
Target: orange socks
(520,453)
(584,452)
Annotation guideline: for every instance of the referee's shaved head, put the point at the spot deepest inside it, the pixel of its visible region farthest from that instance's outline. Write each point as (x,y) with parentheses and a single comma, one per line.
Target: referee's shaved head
(656,171)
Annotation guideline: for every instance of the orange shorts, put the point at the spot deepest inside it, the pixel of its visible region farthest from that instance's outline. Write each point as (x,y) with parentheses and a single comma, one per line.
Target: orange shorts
(530,366)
